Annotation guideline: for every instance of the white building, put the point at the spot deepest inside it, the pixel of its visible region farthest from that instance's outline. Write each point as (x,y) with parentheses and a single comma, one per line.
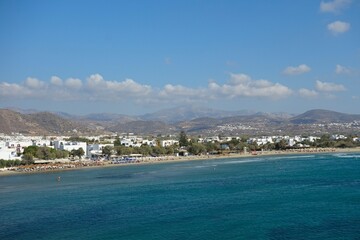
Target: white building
(167,143)
(212,139)
(68,146)
(95,150)
(7,153)
(151,143)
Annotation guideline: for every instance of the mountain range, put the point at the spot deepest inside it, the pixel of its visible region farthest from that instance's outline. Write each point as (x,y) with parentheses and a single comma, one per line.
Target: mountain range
(193,120)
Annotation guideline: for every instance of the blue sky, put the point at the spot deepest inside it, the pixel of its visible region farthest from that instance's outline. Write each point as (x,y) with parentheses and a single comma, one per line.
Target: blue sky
(138,56)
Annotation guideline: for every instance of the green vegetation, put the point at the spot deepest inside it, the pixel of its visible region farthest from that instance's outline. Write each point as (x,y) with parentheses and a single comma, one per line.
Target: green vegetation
(235,145)
(10,163)
(77,152)
(183,139)
(44,153)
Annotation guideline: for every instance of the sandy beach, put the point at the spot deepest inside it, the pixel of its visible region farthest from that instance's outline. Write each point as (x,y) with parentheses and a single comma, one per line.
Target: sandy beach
(66,165)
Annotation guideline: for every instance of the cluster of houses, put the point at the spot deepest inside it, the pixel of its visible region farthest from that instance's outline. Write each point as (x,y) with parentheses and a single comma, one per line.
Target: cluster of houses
(290,141)
(12,146)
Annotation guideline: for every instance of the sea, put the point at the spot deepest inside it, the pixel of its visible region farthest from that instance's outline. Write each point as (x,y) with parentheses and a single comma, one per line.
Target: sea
(314,196)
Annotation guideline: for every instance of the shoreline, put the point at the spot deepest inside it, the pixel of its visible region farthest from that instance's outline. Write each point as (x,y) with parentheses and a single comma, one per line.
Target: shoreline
(60,167)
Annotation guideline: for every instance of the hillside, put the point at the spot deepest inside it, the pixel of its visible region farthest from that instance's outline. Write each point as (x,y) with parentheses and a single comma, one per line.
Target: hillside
(323,116)
(41,123)
(311,122)
(143,127)
(180,114)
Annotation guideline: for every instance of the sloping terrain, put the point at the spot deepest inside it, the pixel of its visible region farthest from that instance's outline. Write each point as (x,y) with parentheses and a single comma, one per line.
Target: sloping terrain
(143,127)
(311,122)
(323,116)
(42,123)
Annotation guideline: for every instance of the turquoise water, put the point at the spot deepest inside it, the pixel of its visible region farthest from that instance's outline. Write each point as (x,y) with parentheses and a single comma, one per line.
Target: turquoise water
(286,197)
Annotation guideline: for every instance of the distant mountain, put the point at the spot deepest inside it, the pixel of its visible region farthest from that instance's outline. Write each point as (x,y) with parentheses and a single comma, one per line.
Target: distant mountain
(199,125)
(143,127)
(108,117)
(195,121)
(23,111)
(323,116)
(186,113)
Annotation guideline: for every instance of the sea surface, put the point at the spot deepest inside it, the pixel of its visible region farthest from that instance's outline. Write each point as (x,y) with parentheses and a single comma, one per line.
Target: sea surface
(277,197)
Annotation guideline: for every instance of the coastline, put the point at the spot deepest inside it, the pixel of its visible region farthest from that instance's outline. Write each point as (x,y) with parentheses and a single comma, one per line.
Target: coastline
(59,167)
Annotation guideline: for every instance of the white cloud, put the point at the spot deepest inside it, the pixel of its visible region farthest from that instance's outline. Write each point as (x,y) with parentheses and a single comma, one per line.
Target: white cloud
(56,81)
(127,87)
(13,89)
(241,85)
(172,91)
(73,83)
(239,78)
(302,68)
(338,27)
(34,83)
(329,87)
(96,81)
(306,93)
(342,70)
(335,6)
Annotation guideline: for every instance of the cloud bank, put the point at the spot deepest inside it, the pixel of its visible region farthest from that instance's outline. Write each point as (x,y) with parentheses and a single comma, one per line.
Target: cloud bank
(329,87)
(96,88)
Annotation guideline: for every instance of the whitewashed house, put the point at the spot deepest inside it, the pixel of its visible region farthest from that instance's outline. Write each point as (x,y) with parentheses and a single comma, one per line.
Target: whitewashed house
(167,143)
(69,146)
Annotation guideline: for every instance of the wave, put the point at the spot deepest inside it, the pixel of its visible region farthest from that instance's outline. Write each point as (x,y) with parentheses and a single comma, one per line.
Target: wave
(346,155)
(243,161)
(292,157)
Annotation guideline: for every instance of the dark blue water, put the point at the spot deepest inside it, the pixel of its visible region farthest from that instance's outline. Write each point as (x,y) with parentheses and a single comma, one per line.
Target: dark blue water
(287,197)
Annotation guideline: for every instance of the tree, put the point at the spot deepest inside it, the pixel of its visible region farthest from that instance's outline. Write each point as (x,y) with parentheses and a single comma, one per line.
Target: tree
(31,150)
(27,159)
(122,150)
(183,139)
(344,144)
(77,152)
(281,145)
(61,154)
(197,148)
(80,152)
(107,150)
(143,149)
(169,150)
(158,150)
(117,142)
(325,141)
(211,147)
(253,146)
(233,143)
(269,146)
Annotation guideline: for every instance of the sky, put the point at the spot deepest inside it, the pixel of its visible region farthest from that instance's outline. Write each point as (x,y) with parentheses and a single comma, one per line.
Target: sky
(139,56)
